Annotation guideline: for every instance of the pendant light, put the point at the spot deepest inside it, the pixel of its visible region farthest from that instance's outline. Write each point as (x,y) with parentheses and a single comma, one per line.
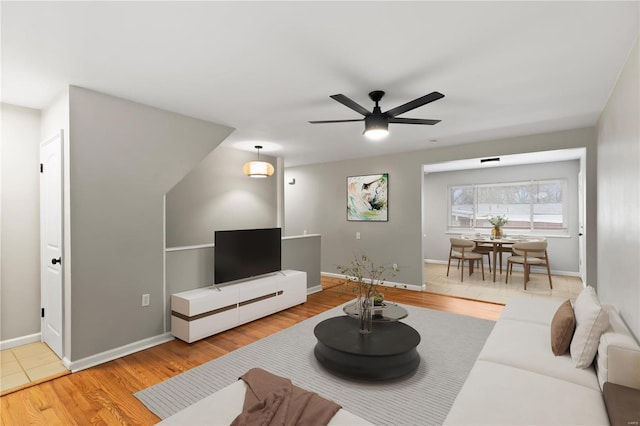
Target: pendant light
(258,169)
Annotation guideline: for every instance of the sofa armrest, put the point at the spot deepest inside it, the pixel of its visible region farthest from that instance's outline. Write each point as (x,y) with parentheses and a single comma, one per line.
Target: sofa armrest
(622,404)
(618,357)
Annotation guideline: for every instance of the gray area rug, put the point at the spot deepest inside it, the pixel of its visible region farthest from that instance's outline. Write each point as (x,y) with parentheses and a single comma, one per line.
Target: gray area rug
(449,346)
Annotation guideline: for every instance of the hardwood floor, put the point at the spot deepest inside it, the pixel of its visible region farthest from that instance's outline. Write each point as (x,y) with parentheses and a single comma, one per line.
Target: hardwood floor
(104,394)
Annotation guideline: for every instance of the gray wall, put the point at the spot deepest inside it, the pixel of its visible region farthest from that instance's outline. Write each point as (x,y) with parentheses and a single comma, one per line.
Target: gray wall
(217,195)
(187,270)
(20,223)
(317,202)
(124,158)
(563,249)
(303,253)
(619,196)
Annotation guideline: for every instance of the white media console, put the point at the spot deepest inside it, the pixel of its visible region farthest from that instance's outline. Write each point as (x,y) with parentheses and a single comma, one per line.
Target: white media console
(199,313)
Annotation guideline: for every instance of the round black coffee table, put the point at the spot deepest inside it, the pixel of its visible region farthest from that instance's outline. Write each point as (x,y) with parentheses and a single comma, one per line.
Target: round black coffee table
(388,352)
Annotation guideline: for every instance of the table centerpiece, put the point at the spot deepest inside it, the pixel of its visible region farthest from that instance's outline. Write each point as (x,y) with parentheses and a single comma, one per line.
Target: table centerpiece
(498,222)
(364,277)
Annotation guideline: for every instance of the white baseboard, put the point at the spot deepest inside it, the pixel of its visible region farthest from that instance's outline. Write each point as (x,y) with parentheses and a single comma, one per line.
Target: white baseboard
(314,289)
(386,283)
(19,341)
(115,353)
(437,262)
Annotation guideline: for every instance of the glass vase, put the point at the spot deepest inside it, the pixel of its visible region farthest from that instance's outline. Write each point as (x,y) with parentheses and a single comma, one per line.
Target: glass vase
(496,232)
(365,308)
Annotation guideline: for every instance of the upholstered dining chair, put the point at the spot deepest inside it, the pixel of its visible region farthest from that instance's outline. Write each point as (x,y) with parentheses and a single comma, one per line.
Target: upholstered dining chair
(528,254)
(462,250)
(485,250)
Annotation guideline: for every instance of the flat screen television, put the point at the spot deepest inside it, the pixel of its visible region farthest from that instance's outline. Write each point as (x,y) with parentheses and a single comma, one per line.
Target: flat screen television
(246,253)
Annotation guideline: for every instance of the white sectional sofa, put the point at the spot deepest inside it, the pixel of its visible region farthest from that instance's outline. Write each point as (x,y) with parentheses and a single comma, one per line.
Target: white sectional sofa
(222,407)
(517,380)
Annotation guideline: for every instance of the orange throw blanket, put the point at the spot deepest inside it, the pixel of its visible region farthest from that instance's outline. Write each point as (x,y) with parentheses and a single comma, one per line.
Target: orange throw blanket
(274,400)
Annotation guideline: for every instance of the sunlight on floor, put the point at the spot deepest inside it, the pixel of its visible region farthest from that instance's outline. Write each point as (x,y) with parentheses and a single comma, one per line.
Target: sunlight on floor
(473,287)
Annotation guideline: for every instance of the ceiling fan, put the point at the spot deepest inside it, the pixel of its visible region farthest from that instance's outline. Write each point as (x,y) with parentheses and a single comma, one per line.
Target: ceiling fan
(376,122)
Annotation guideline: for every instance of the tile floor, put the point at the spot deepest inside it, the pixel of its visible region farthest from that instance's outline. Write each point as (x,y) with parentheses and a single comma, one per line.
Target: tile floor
(473,287)
(26,365)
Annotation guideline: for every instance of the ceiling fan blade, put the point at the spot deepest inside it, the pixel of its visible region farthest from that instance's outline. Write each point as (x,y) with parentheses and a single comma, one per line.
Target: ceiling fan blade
(336,121)
(351,104)
(412,120)
(433,96)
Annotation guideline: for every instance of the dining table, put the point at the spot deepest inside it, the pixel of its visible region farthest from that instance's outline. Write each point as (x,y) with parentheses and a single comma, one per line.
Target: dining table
(497,246)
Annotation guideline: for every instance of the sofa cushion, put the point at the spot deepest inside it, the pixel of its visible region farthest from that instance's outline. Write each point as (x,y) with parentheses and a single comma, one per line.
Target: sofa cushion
(618,357)
(522,309)
(563,325)
(496,394)
(591,321)
(525,345)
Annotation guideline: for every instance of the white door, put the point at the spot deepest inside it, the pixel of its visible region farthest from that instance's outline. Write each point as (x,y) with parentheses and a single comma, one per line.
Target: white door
(581,227)
(51,253)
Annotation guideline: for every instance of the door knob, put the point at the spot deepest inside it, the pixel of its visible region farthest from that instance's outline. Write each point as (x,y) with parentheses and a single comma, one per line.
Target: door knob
(58,260)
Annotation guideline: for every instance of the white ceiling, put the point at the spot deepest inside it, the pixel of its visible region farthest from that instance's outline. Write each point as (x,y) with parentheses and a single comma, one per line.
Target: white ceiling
(267,68)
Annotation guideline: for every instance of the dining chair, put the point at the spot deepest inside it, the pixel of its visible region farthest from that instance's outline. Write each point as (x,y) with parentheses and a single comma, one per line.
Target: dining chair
(528,254)
(503,249)
(462,250)
(485,250)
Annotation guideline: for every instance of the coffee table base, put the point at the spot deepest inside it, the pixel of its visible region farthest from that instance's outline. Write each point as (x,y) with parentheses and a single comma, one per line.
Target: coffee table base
(361,367)
(389,352)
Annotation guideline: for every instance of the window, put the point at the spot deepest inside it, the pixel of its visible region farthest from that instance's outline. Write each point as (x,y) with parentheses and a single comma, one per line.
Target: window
(529,206)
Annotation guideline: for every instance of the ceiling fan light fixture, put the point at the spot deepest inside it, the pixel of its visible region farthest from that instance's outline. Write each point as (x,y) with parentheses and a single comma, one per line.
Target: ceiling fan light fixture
(257,168)
(376,134)
(376,127)
(376,122)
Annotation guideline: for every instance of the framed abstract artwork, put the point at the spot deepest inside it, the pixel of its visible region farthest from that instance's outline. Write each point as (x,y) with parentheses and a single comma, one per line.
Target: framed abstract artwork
(368,198)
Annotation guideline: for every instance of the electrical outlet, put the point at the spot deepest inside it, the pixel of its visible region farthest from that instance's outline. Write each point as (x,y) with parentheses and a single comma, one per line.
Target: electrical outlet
(357,235)
(145,300)
(395,266)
